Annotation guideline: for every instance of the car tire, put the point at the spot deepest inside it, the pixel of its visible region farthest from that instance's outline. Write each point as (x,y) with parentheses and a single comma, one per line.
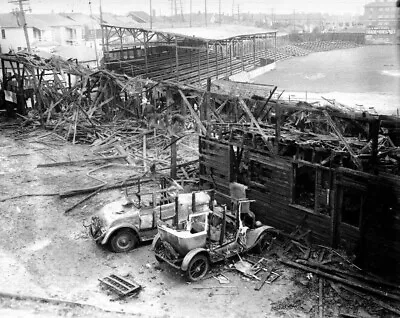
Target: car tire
(198,267)
(262,244)
(123,240)
(157,245)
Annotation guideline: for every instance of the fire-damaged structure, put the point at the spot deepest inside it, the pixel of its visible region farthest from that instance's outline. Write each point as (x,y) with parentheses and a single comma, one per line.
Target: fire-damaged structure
(327,169)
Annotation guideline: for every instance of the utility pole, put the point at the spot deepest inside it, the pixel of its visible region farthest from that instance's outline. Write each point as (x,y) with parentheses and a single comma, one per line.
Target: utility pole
(272,17)
(205,11)
(21,13)
(294,21)
(233,9)
(94,35)
(190,14)
(102,33)
(238,10)
(219,11)
(182,17)
(176,9)
(151,16)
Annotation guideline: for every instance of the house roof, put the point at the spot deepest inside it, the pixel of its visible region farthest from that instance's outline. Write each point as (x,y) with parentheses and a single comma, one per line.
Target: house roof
(52,20)
(381,4)
(9,20)
(39,21)
(83,19)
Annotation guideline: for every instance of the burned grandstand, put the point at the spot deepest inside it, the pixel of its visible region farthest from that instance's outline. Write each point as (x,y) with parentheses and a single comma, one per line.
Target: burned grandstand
(326,169)
(188,55)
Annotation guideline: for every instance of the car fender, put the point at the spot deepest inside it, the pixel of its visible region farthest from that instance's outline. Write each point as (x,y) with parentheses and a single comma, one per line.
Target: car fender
(112,230)
(258,232)
(188,257)
(155,239)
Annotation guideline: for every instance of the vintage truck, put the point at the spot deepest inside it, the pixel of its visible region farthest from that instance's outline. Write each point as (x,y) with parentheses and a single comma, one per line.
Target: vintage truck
(123,224)
(209,233)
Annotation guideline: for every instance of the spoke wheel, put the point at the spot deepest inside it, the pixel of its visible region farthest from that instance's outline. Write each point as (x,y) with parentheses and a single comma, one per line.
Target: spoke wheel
(262,244)
(123,241)
(198,268)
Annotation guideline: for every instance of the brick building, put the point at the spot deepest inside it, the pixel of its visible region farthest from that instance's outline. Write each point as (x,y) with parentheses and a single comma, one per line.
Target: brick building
(381,13)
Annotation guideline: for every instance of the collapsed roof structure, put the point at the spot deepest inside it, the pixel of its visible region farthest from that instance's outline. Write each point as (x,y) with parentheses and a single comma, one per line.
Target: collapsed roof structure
(326,168)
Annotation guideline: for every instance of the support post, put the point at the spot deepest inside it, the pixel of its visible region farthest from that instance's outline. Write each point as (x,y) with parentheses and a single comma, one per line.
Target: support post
(198,66)
(177,59)
(230,56)
(254,51)
(145,53)
(208,58)
(145,152)
(241,55)
(278,128)
(173,157)
(216,57)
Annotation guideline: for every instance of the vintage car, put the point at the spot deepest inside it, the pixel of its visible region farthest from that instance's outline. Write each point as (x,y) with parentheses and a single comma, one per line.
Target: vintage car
(123,224)
(209,234)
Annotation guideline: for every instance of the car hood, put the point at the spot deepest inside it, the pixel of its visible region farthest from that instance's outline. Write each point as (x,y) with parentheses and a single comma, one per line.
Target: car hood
(117,212)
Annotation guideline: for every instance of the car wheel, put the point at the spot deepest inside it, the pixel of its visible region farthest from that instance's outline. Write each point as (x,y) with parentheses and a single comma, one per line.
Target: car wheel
(123,241)
(198,267)
(262,244)
(157,247)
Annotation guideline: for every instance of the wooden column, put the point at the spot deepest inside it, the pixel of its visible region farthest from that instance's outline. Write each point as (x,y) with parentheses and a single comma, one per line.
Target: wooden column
(177,59)
(277,127)
(216,56)
(121,54)
(198,67)
(208,60)
(145,53)
(254,50)
(173,157)
(230,56)
(4,71)
(241,55)
(374,134)
(225,59)
(265,45)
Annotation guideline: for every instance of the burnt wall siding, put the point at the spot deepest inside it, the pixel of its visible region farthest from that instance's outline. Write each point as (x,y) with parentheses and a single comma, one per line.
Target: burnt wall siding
(273,192)
(215,165)
(378,244)
(274,205)
(375,240)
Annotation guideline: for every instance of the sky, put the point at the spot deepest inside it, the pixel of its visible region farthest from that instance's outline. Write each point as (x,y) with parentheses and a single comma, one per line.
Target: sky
(164,6)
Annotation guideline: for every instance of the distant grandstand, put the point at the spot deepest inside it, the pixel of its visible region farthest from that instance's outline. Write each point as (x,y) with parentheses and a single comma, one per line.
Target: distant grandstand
(188,55)
(191,55)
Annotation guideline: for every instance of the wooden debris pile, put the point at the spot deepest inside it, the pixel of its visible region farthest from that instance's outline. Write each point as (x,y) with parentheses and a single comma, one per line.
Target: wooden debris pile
(329,277)
(326,135)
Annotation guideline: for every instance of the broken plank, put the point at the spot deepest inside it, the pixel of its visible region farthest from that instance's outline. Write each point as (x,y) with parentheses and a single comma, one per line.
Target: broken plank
(264,278)
(193,113)
(70,163)
(340,136)
(122,152)
(344,281)
(255,122)
(376,301)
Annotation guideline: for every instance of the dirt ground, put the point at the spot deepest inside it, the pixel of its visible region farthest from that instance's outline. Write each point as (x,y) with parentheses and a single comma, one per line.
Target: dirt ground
(47,253)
